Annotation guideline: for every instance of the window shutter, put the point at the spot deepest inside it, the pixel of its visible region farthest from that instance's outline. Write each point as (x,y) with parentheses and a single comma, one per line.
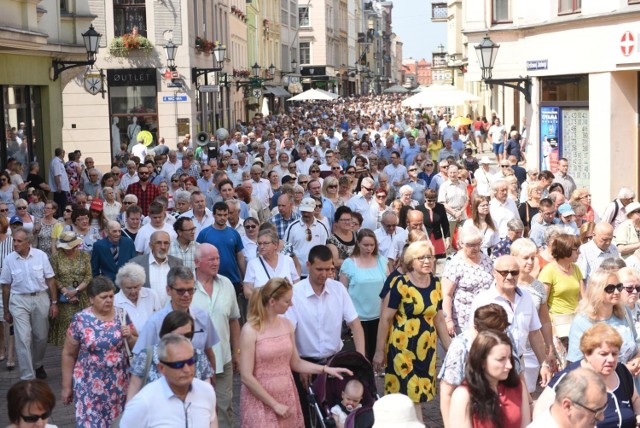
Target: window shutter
(168,17)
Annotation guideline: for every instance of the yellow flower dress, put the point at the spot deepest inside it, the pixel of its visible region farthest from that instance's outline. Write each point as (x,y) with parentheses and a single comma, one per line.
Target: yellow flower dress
(411,348)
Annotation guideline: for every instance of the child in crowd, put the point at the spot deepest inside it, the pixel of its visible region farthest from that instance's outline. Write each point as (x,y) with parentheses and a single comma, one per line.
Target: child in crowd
(36,204)
(351,398)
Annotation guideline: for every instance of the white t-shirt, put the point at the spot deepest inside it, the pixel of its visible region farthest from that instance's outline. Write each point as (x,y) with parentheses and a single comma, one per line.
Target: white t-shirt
(144,236)
(258,275)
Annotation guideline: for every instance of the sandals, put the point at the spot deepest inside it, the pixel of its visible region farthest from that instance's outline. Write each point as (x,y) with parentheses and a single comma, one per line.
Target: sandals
(11,366)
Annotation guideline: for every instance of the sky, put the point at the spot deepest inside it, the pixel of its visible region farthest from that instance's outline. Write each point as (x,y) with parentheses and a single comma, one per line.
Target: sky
(411,20)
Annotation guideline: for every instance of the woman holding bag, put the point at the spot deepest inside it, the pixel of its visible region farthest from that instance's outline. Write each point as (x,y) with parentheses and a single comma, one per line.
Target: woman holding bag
(73,272)
(270,263)
(364,274)
(436,223)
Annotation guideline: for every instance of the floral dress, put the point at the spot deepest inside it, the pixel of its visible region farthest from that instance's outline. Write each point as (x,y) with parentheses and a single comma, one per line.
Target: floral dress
(470,279)
(411,351)
(45,236)
(69,273)
(100,379)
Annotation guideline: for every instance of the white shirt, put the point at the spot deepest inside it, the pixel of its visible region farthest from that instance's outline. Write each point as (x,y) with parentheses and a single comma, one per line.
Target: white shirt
(56,168)
(368,209)
(522,313)
(302,167)
(26,274)
(139,150)
(391,246)
(296,234)
(148,302)
(396,173)
(158,278)
(484,179)
(258,275)
(144,235)
(207,219)
(156,406)
(168,169)
(235,177)
(502,213)
(262,190)
(127,180)
(328,310)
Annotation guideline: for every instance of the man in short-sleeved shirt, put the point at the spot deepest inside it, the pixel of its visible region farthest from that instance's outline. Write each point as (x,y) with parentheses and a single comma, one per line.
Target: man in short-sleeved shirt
(306,233)
(594,252)
(26,277)
(59,180)
(319,301)
(177,398)
(229,244)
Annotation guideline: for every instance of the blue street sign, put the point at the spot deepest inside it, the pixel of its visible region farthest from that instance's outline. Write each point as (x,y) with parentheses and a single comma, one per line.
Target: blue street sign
(172,98)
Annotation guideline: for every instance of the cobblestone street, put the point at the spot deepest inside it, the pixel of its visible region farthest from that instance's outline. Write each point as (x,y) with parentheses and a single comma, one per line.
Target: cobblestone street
(63,416)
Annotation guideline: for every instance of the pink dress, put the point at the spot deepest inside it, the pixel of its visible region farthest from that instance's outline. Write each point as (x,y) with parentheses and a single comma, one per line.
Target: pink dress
(273,370)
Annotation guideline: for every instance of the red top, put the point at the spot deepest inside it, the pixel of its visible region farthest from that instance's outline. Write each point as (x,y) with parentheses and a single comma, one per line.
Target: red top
(510,406)
(145,197)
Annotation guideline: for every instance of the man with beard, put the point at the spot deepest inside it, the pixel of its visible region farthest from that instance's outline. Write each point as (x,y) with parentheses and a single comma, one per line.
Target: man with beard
(145,191)
(157,264)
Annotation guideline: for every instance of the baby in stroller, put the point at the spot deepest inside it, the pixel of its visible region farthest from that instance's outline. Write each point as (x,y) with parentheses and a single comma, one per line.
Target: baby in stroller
(326,393)
(351,398)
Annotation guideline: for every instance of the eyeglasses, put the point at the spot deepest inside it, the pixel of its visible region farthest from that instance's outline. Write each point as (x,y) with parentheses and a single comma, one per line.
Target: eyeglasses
(335,168)
(381,196)
(32,419)
(332,186)
(180,364)
(630,289)
(308,234)
(610,288)
(264,244)
(303,182)
(314,171)
(351,172)
(585,196)
(505,273)
(366,188)
(183,291)
(21,208)
(193,229)
(319,207)
(412,169)
(504,166)
(597,413)
(424,258)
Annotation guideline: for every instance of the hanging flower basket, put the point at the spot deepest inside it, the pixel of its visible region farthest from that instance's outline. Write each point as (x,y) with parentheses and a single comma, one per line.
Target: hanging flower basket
(241,73)
(128,43)
(204,45)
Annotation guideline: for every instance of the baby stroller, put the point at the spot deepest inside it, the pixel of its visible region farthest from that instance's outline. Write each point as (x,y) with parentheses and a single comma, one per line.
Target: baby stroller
(326,391)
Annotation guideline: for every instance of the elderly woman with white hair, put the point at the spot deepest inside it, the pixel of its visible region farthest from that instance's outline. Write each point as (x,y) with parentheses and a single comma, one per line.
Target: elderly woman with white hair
(139,302)
(532,177)
(405,196)
(502,207)
(468,273)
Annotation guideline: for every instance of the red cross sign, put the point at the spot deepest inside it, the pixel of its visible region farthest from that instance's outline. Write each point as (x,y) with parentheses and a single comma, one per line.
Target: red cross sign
(627,43)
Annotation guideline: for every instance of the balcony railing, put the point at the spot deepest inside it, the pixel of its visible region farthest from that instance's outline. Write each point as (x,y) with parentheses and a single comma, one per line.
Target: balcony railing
(439,12)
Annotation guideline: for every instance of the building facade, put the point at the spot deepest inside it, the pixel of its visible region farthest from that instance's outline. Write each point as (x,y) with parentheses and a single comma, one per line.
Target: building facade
(584,64)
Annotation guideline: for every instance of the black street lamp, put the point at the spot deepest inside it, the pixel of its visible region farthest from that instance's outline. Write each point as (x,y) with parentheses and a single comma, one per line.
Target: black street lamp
(91,43)
(256,70)
(256,81)
(487,52)
(170,49)
(219,56)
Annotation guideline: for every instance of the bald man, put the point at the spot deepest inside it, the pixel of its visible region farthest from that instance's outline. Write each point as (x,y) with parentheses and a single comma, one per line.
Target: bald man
(216,295)
(415,221)
(594,252)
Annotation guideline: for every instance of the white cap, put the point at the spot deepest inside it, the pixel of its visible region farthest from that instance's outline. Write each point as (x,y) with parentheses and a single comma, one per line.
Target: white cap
(308,205)
(485,160)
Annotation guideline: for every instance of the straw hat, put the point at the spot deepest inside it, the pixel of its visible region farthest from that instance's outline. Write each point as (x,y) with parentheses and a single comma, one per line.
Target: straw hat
(68,240)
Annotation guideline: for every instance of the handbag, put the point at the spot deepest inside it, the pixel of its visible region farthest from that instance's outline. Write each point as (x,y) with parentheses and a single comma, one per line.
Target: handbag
(562,324)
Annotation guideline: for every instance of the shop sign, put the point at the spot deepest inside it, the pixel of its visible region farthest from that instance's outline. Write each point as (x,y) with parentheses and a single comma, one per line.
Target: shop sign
(93,82)
(132,77)
(537,64)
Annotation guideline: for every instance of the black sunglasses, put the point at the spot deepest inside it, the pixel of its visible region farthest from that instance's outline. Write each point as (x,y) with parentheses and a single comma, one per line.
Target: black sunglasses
(504,273)
(32,419)
(610,288)
(183,291)
(632,288)
(180,364)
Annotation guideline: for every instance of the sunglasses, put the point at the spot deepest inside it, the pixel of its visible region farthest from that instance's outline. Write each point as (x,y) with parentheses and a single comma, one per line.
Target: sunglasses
(610,288)
(505,273)
(366,188)
(314,171)
(4,211)
(412,169)
(183,291)
(180,364)
(32,419)
(332,186)
(632,288)
(335,168)
(250,226)
(189,335)
(128,203)
(351,173)
(308,234)
(21,208)
(175,181)
(431,201)
(303,182)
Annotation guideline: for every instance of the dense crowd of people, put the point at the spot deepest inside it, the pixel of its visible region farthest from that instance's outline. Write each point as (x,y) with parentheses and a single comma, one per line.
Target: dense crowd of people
(262,253)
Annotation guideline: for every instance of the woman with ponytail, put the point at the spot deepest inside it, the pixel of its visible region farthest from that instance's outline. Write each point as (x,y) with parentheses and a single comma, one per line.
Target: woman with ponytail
(268,395)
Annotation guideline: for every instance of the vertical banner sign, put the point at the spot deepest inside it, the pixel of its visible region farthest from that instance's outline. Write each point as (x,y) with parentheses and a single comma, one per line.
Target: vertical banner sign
(550,144)
(575,143)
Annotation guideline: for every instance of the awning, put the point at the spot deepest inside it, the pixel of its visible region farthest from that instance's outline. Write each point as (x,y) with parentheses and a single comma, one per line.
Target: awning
(277,91)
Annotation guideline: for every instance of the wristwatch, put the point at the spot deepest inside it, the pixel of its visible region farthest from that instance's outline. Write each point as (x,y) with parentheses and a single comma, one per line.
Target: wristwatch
(54,302)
